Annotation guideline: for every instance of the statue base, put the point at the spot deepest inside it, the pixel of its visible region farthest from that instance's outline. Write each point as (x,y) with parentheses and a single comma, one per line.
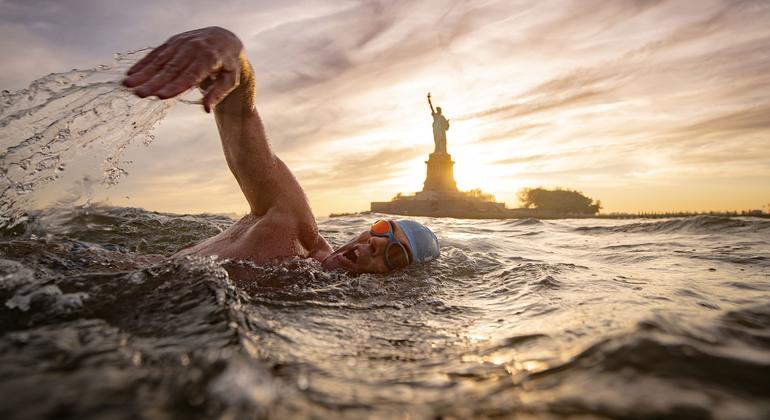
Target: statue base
(440,175)
(440,197)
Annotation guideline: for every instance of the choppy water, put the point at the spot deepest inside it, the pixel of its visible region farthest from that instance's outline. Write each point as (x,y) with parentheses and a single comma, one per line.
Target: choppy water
(596,318)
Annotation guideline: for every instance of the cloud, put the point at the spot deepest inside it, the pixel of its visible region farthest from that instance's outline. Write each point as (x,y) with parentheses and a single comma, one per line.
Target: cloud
(359,170)
(537,158)
(602,80)
(751,121)
(517,130)
(537,105)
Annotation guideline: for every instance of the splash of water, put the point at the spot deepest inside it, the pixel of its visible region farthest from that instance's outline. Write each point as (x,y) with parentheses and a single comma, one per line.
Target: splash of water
(62,116)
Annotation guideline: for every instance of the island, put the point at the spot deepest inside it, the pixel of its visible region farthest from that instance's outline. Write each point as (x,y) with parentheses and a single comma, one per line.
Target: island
(439,196)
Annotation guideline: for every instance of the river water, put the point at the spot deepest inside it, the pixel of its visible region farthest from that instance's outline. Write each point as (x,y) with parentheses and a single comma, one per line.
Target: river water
(518,318)
(525,318)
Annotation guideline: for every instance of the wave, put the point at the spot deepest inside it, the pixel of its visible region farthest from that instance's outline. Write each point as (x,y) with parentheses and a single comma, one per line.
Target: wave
(95,317)
(125,228)
(524,222)
(173,332)
(694,369)
(695,224)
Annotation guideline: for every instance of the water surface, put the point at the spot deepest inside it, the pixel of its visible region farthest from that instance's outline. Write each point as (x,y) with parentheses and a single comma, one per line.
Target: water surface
(598,318)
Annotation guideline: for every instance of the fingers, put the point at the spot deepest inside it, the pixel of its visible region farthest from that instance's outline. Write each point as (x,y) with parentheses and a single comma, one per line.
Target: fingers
(165,75)
(192,75)
(168,85)
(144,61)
(151,67)
(225,82)
(205,57)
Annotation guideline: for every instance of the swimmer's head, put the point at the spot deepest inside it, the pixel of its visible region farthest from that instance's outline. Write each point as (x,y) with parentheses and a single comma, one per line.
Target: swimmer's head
(388,245)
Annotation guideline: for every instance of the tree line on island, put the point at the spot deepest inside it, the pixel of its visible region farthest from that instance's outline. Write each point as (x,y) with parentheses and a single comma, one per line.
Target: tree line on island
(558,201)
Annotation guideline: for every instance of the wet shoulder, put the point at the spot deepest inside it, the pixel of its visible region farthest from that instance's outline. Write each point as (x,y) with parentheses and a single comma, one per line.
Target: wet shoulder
(260,239)
(279,234)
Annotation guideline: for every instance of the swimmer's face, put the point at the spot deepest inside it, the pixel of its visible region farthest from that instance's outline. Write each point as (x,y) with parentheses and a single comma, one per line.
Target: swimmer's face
(364,253)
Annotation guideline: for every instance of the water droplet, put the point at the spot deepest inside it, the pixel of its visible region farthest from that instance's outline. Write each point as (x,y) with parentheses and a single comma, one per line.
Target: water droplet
(302,382)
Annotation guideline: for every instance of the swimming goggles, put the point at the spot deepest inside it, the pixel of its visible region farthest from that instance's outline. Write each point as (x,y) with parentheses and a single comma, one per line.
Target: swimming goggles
(396,254)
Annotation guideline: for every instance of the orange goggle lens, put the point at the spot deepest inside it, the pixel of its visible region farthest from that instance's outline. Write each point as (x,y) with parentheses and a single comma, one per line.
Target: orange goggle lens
(381,227)
(396,256)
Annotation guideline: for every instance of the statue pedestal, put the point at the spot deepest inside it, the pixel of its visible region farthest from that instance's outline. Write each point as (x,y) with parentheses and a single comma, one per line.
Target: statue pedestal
(440,175)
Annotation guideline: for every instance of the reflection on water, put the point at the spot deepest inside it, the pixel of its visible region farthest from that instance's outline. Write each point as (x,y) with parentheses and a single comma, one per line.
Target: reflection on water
(572,317)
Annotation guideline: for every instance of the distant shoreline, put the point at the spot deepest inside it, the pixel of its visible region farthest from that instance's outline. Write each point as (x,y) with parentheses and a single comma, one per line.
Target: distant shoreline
(538,214)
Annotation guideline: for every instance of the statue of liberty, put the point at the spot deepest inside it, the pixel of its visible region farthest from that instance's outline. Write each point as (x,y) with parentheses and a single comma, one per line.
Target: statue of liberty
(440,126)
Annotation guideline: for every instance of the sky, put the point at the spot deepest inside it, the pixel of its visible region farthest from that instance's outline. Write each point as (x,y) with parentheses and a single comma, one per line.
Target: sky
(646,105)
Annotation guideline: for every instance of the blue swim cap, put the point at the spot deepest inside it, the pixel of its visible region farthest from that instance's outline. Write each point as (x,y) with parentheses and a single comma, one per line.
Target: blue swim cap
(423,242)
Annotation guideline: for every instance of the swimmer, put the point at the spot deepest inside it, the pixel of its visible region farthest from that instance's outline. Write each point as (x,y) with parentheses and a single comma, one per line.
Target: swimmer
(280,223)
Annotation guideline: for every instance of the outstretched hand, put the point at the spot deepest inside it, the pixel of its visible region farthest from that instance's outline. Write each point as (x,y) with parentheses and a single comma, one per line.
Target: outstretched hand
(208,57)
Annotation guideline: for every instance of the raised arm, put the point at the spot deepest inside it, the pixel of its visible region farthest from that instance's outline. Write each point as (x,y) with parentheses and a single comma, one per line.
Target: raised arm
(432,111)
(213,59)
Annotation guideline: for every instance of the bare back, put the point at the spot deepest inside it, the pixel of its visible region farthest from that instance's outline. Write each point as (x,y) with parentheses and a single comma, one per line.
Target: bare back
(262,240)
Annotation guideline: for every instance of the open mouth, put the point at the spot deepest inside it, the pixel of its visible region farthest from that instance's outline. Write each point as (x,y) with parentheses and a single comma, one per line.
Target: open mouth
(351,255)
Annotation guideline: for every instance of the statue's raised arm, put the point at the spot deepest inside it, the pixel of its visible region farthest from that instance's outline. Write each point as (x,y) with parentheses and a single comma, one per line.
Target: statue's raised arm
(432,111)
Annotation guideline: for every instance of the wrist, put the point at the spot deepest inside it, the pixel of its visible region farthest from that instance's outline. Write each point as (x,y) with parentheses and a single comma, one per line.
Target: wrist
(243,96)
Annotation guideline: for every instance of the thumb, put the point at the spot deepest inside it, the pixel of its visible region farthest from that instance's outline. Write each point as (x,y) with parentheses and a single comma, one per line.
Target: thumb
(225,83)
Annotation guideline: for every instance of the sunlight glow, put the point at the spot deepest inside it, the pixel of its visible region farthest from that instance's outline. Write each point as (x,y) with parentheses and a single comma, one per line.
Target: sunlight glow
(534,98)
